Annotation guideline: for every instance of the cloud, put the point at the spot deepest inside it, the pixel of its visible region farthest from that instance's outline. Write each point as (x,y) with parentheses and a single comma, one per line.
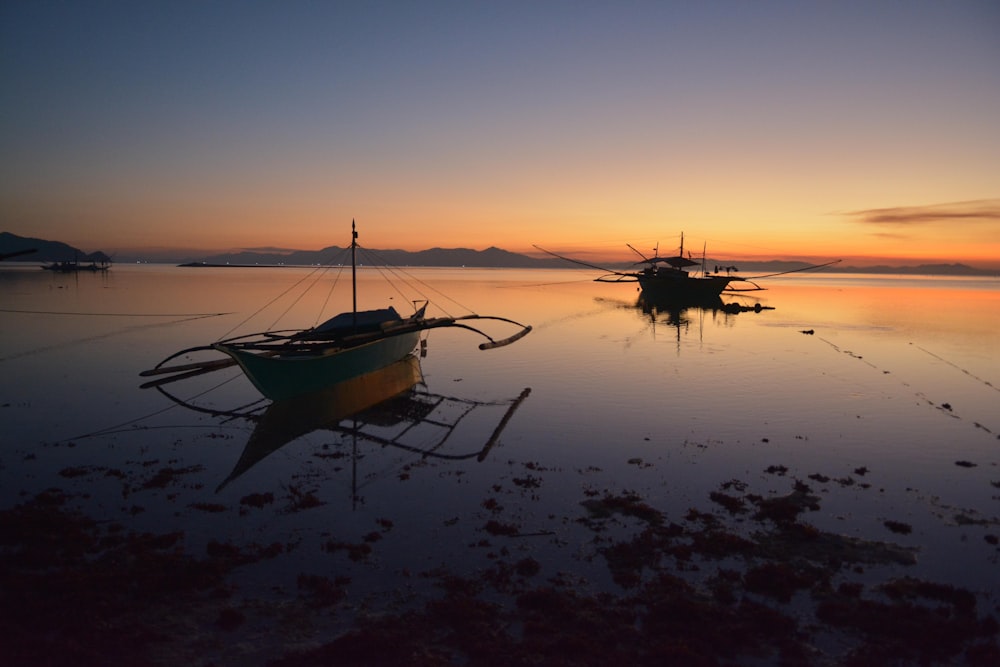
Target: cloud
(982,210)
(891,236)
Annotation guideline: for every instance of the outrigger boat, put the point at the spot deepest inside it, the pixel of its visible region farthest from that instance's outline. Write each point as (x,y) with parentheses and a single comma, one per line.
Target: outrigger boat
(667,279)
(288,363)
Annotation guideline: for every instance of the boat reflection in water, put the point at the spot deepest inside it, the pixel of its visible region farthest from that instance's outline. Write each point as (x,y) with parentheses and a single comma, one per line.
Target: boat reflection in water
(677,313)
(382,407)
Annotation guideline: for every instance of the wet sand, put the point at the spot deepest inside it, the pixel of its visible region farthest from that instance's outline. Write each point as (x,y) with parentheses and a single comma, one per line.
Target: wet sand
(741,577)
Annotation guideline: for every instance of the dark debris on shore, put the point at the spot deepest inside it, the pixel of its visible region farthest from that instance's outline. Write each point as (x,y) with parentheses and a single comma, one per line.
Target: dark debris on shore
(709,588)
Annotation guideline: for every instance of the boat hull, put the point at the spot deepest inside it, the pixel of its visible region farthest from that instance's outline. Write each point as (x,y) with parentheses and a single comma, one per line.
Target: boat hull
(680,288)
(287,420)
(280,378)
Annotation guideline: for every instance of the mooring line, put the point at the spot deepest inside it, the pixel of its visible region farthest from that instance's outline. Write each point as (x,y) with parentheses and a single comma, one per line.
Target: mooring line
(569,318)
(89,339)
(847,352)
(556,283)
(956,366)
(118,428)
(943,408)
(57,312)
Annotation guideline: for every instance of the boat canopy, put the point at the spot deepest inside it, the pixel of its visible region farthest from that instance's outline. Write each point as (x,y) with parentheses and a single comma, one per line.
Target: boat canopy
(362,320)
(676,262)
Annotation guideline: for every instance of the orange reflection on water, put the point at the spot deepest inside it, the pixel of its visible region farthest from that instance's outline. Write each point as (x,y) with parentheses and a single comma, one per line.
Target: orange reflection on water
(958,311)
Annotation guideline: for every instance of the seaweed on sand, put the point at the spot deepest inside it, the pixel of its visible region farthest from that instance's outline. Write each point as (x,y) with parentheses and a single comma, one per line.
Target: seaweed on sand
(81,592)
(706,588)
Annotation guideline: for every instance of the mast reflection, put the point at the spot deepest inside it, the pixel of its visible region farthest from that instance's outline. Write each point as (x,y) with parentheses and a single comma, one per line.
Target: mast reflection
(382,408)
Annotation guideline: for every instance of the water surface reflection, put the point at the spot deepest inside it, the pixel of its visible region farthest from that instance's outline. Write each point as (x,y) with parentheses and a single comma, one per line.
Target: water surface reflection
(785,486)
(389,407)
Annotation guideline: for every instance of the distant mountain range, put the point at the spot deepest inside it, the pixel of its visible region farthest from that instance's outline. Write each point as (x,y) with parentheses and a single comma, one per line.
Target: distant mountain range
(44,251)
(489,258)
(55,251)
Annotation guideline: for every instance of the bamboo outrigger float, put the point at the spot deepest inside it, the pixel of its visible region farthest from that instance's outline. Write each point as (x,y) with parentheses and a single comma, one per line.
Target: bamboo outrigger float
(288,363)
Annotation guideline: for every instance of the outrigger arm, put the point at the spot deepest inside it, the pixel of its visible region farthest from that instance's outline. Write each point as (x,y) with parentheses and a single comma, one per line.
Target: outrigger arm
(493,344)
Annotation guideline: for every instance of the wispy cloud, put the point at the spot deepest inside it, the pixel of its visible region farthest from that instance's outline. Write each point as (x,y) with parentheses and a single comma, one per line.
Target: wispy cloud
(981,210)
(890,236)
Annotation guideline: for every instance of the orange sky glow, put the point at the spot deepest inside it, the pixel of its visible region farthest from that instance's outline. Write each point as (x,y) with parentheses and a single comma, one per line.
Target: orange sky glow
(863,132)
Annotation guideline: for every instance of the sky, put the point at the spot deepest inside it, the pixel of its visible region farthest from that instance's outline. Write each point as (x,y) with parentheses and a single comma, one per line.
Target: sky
(764,130)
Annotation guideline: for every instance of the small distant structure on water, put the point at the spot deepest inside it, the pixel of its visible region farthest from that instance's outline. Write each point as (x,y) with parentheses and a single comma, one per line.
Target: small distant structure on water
(75,267)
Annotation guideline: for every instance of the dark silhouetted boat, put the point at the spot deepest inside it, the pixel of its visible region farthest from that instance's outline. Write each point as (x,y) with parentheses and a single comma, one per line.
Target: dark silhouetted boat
(667,279)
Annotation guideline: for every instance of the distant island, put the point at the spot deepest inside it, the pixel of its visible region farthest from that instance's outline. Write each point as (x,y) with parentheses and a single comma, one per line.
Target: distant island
(55,251)
(26,249)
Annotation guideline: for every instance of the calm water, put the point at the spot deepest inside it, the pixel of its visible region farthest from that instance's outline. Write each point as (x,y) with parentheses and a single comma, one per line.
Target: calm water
(900,378)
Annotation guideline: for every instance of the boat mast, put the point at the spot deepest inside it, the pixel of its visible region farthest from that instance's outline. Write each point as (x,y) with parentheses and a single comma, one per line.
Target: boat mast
(354,274)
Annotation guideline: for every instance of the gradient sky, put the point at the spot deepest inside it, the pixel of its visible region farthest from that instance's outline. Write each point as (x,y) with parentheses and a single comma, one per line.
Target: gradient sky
(773,129)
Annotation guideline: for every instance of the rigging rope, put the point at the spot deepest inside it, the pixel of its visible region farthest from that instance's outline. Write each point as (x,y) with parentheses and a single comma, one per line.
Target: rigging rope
(399,270)
(328,295)
(391,273)
(320,269)
(385,269)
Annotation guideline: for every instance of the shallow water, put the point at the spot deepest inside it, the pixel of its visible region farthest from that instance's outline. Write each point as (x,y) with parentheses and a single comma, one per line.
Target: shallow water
(897,380)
